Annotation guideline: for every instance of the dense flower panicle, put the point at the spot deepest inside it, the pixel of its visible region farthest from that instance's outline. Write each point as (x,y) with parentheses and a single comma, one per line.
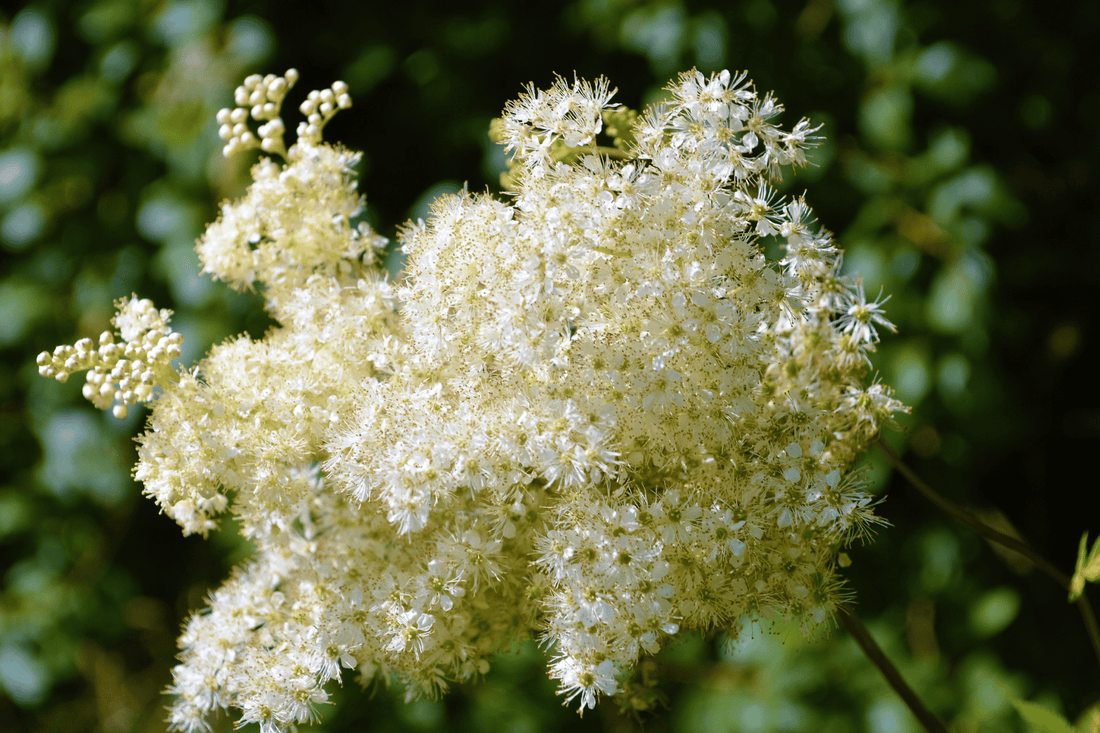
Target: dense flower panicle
(571,114)
(294,222)
(596,412)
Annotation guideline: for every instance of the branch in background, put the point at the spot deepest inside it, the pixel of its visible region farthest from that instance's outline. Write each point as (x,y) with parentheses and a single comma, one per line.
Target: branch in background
(859,632)
(969,519)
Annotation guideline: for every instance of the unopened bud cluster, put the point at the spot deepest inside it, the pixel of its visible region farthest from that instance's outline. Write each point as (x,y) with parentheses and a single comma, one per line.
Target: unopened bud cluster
(261,98)
(126,372)
(320,107)
(594,413)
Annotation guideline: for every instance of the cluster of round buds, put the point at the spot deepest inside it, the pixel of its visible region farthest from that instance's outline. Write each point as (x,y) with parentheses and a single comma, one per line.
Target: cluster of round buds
(320,107)
(260,97)
(123,373)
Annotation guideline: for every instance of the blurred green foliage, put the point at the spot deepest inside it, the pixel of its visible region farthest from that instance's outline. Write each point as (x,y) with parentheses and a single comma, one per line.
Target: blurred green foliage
(959,174)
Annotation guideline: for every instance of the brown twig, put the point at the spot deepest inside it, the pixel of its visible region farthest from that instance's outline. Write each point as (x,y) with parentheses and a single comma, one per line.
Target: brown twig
(859,632)
(970,520)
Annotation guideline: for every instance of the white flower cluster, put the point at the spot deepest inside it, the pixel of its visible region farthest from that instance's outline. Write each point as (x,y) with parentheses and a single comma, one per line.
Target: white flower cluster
(295,221)
(596,413)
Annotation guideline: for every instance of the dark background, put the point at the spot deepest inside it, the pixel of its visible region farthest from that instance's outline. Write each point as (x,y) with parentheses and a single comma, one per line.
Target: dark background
(959,174)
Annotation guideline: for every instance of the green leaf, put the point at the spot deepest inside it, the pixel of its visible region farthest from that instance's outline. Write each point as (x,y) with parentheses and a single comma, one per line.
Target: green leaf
(1092,567)
(1088,567)
(1077,582)
(1089,721)
(1040,719)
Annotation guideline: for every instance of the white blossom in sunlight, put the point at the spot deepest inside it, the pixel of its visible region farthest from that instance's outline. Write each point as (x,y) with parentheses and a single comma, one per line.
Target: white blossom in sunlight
(592,412)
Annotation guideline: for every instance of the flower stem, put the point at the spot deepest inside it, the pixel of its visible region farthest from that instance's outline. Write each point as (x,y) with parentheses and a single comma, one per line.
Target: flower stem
(859,632)
(972,521)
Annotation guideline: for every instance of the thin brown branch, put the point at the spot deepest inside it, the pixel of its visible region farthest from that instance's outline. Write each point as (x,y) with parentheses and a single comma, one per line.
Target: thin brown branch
(1091,627)
(859,632)
(971,520)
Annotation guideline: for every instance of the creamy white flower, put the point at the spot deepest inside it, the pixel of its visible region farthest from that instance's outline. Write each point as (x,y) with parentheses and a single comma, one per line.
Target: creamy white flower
(594,412)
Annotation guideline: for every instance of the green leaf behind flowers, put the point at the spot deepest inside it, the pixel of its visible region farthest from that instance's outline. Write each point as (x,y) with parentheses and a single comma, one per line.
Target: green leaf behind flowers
(1088,567)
